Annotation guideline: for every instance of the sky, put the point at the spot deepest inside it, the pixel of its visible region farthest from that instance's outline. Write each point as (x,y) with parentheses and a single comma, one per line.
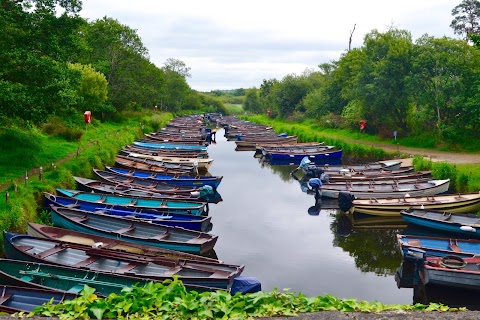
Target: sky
(237,44)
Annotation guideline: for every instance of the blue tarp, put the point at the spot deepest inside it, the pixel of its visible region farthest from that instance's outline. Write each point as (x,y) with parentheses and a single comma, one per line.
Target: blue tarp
(245,285)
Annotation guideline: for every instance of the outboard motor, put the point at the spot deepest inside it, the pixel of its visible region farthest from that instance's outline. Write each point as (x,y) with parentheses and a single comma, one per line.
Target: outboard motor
(313,171)
(345,200)
(206,191)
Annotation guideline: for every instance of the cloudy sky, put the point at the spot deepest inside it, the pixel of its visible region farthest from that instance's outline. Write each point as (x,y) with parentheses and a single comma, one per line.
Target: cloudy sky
(237,44)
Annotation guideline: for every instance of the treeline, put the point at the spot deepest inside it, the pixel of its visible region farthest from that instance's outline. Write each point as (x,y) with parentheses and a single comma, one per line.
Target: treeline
(427,86)
(56,64)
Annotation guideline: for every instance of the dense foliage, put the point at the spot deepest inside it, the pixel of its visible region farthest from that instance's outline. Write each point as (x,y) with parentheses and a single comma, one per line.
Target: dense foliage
(171,301)
(55,63)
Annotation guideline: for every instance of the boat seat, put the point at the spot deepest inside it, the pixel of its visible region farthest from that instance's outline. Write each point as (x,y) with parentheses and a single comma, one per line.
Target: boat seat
(49,252)
(76,289)
(73,205)
(26,278)
(126,229)
(85,262)
(5,297)
(161,236)
(454,247)
(80,219)
(414,243)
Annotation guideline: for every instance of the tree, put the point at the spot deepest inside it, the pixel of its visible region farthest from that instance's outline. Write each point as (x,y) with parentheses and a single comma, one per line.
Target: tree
(118,52)
(252,101)
(466,18)
(445,81)
(92,89)
(381,84)
(177,66)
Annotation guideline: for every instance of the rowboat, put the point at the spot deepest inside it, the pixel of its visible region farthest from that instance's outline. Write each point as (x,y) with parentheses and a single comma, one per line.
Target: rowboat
(175,139)
(458,223)
(148,184)
(450,271)
(188,181)
(65,235)
(67,279)
(438,247)
(260,147)
(459,203)
(160,205)
(252,143)
(169,146)
(128,162)
(400,174)
(162,152)
(325,152)
(386,190)
(200,163)
(366,167)
(19,299)
(141,232)
(28,248)
(166,218)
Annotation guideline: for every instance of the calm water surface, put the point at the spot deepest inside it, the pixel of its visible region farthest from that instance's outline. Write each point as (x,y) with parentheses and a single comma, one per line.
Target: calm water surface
(263,223)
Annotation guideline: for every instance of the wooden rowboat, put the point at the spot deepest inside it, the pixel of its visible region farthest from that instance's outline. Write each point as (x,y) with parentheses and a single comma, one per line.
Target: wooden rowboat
(387,190)
(66,279)
(168,146)
(437,246)
(464,224)
(171,238)
(188,181)
(200,163)
(195,208)
(15,299)
(28,248)
(65,235)
(459,203)
(172,219)
(127,162)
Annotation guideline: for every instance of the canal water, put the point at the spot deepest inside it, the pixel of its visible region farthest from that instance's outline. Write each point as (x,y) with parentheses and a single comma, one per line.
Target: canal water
(264,223)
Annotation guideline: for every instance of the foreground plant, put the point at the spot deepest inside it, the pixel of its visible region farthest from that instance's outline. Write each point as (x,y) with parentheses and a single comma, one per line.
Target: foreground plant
(171,300)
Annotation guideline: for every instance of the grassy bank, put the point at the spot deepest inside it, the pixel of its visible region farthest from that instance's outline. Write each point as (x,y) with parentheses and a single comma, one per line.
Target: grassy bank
(464,178)
(61,160)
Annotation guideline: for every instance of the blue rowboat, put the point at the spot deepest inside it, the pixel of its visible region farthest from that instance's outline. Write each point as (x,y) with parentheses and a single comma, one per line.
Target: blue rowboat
(319,154)
(20,299)
(188,181)
(438,246)
(169,146)
(204,194)
(168,205)
(141,232)
(173,219)
(201,273)
(464,224)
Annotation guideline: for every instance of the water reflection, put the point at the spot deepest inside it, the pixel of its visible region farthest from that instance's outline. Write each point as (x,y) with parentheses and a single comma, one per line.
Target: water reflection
(374,250)
(452,297)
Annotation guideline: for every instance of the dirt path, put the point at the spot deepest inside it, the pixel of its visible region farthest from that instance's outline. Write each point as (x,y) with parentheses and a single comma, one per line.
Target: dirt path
(434,155)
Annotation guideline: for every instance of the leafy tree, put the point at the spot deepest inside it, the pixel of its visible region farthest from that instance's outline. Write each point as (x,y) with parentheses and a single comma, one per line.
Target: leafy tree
(381,84)
(445,80)
(92,89)
(289,93)
(252,101)
(466,18)
(177,66)
(118,52)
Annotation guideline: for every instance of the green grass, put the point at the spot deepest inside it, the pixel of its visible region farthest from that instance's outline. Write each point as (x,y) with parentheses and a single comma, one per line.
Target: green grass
(234,108)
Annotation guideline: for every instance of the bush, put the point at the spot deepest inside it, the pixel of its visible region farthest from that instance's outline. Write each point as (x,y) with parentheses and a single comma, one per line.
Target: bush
(57,128)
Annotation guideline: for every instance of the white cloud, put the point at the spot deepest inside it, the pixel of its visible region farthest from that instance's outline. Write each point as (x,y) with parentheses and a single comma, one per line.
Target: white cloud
(233,44)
